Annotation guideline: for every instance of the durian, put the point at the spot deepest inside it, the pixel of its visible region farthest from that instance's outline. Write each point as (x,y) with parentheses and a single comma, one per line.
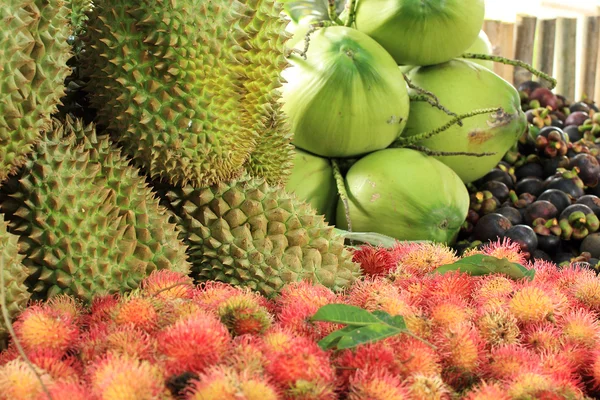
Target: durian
(249,233)
(14,274)
(191,87)
(88,222)
(33,53)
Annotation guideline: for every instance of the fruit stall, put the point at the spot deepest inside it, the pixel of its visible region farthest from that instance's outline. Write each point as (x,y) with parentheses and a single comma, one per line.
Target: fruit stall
(299,200)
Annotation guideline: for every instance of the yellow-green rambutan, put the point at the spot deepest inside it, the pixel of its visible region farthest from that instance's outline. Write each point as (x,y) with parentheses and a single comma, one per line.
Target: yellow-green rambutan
(278,339)
(461,349)
(19,382)
(376,384)
(419,324)
(243,314)
(422,258)
(493,286)
(586,289)
(193,344)
(498,327)
(168,285)
(427,387)
(209,295)
(580,326)
(532,304)
(379,294)
(120,377)
(537,385)
(449,312)
(41,327)
(226,383)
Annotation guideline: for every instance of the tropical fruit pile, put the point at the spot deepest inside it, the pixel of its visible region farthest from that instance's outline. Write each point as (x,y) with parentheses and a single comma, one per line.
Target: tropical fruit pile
(475,337)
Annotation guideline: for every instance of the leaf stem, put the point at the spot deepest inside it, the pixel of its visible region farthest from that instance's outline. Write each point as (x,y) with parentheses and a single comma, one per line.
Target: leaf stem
(341,187)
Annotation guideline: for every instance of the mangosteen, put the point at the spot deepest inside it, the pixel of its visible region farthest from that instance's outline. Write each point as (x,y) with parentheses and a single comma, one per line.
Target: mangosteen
(540,255)
(576,118)
(530,169)
(491,227)
(556,122)
(592,201)
(568,182)
(591,244)
(534,186)
(511,213)
(563,258)
(524,236)
(545,97)
(499,175)
(579,106)
(529,86)
(573,133)
(560,199)
(540,209)
(551,165)
(588,168)
(177,384)
(551,142)
(498,189)
(577,221)
(548,243)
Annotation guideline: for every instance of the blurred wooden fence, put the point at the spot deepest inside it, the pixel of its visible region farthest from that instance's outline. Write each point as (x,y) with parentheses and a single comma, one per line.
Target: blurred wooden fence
(551,46)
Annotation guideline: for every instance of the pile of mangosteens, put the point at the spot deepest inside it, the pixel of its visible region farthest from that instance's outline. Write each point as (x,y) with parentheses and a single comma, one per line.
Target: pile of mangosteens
(545,193)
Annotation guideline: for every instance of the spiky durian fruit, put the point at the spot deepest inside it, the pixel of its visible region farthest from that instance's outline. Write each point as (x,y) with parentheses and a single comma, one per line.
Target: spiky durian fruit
(189,93)
(14,274)
(33,53)
(248,233)
(89,223)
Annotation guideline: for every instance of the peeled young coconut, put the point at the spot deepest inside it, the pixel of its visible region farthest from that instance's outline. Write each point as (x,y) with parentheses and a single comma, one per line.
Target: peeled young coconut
(312,181)
(463,86)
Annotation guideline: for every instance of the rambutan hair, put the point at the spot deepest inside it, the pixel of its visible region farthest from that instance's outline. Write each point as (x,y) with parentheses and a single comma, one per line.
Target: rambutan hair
(376,384)
(168,285)
(542,336)
(376,355)
(246,354)
(225,383)
(498,327)
(421,258)
(506,362)
(580,326)
(211,294)
(487,391)
(534,303)
(243,314)
(586,289)
(427,387)
(449,312)
(138,311)
(374,261)
(193,344)
(379,294)
(454,284)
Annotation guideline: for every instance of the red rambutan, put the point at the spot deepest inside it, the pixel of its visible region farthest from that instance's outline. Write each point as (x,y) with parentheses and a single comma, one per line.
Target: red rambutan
(580,326)
(139,312)
(543,336)
(120,377)
(376,355)
(376,384)
(101,309)
(193,344)
(461,349)
(68,390)
(448,312)
(501,248)
(68,305)
(246,354)
(131,341)
(413,356)
(493,291)
(40,327)
(211,294)
(453,284)
(242,314)
(19,382)
(226,383)
(56,364)
(374,261)
(379,294)
(532,304)
(168,285)
(586,289)
(498,327)
(427,387)
(487,391)
(423,257)
(506,362)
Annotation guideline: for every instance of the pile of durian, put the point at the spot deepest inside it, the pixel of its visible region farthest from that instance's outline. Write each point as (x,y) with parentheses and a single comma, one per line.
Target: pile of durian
(148,134)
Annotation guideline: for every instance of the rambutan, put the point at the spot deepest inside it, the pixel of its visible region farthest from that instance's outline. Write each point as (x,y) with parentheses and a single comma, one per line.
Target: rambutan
(593,370)
(453,284)
(543,336)
(242,314)
(461,349)
(68,390)
(138,311)
(579,356)
(63,303)
(531,304)
(131,341)
(413,356)
(92,342)
(193,344)
(246,354)
(41,327)
(209,295)
(567,276)
(379,294)
(580,326)
(545,271)
(501,248)
(168,285)
(376,384)
(304,369)
(508,361)
(427,387)
(376,355)
(560,366)
(101,309)
(448,312)
(498,327)
(58,366)
(528,384)
(419,324)
(491,287)
(374,261)
(226,383)
(487,391)
(19,382)
(278,340)
(423,257)
(120,377)
(586,289)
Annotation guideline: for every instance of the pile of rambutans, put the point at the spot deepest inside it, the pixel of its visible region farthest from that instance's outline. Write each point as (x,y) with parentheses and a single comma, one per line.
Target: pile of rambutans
(471,337)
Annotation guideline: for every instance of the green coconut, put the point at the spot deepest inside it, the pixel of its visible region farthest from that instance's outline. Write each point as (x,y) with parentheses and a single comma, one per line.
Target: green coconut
(312,181)
(404,194)
(463,86)
(482,45)
(347,98)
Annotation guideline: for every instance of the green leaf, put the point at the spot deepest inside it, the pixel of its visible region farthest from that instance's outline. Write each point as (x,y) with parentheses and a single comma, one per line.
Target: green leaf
(367,334)
(396,320)
(331,341)
(482,264)
(344,314)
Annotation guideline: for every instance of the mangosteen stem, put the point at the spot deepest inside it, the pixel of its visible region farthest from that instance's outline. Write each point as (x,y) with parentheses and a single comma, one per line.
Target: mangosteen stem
(430,152)
(351,13)
(13,335)
(412,140)
(341,187)
(514,63)
(433,103)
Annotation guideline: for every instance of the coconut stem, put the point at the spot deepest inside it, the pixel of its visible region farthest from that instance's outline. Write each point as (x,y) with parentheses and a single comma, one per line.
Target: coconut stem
(433,103)
(514,63)
(341,187)
(332,13)
(411,140)
(351,13)
(13,334)
(430,152)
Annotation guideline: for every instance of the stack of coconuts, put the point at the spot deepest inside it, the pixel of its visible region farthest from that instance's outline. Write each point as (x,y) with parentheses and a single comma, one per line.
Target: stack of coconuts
(364,89)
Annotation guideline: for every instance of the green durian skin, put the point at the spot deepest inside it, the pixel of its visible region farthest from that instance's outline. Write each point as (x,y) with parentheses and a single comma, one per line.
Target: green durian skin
(249,233)
(14,274)
(89,224)
(34,50)
(192,96)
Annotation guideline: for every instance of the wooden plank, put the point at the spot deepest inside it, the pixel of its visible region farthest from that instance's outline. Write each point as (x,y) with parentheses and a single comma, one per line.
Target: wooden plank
(524,42)
(547,40)
(591,43)
(492,30)
(566,52)
(507,46)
